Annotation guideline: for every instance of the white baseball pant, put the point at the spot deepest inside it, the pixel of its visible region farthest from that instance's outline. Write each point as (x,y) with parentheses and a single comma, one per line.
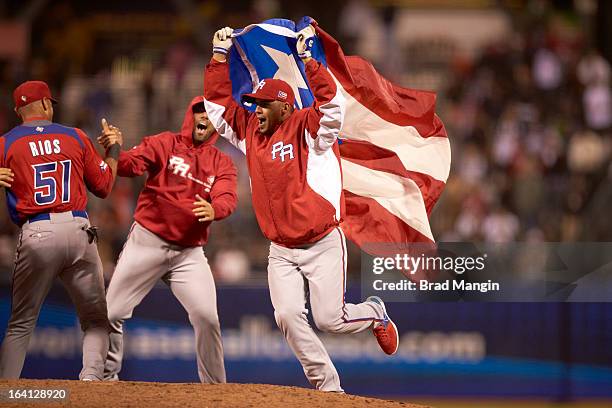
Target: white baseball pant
(318,269)
(58,247)
(145,259)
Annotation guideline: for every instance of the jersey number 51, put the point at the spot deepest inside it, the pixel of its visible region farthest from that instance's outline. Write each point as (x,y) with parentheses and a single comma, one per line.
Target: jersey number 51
(45,185)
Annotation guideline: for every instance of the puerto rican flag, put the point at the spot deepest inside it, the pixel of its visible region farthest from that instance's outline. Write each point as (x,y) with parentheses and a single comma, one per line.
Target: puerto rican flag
(395,153)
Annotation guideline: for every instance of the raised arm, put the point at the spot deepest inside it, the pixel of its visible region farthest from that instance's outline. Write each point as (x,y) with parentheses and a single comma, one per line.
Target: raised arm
(144,157)
(326,116)
(99,175)
(229,119)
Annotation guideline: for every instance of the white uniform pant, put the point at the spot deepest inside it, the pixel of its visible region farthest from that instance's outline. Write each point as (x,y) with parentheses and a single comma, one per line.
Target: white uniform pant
(319,270)
(145,260)
(58,247)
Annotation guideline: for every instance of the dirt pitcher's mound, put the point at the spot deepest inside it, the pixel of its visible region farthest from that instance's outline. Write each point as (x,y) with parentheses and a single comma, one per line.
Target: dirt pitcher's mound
(151,395)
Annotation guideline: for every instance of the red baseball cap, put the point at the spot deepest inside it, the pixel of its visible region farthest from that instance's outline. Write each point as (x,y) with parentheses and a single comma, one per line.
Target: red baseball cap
(31,91)
(271,90)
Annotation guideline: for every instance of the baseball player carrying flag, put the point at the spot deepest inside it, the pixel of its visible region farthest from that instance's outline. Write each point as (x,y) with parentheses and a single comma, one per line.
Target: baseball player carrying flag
(296,178)
(47,169)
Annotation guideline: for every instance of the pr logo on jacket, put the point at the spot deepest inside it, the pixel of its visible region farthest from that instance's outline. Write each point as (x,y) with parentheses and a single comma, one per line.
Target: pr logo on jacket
(282,150)
(178,167)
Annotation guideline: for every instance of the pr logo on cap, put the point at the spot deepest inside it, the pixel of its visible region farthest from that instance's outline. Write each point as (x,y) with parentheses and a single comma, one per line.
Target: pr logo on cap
(282,95)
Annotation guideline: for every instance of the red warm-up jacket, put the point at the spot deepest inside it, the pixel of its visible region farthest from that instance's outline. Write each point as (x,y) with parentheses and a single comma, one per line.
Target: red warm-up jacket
(177,171)
(296,177)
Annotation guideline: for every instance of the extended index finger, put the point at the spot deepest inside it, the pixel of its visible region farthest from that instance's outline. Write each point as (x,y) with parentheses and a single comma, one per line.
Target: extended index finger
(105,127)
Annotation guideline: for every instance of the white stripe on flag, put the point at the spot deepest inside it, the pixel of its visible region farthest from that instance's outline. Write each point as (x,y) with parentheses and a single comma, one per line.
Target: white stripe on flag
(248,65)
(430,155)
(274,29)
(398,195)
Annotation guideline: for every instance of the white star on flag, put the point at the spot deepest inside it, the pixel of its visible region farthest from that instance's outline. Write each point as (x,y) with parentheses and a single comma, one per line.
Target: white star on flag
(288,71)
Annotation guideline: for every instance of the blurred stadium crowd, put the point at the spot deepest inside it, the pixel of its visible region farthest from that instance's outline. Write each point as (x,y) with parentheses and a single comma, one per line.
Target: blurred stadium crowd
(528,111)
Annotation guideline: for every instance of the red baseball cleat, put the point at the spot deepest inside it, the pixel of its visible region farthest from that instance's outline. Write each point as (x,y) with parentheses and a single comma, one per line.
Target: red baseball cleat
(385,331)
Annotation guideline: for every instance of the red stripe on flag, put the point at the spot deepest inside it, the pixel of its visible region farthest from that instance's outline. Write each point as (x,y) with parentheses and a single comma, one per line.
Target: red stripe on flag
(377,158)
(368,222)
(393,103)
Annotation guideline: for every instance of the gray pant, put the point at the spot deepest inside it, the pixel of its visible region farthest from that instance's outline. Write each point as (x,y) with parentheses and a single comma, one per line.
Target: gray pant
(145,260)
(47,249)
(319,270)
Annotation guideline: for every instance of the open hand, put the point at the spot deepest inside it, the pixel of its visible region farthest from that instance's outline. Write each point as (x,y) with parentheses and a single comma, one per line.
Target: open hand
(203,210)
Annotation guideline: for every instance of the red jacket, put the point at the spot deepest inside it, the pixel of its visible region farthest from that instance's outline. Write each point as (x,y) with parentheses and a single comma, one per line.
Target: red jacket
(177,171)
(54,166)
(295,173)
